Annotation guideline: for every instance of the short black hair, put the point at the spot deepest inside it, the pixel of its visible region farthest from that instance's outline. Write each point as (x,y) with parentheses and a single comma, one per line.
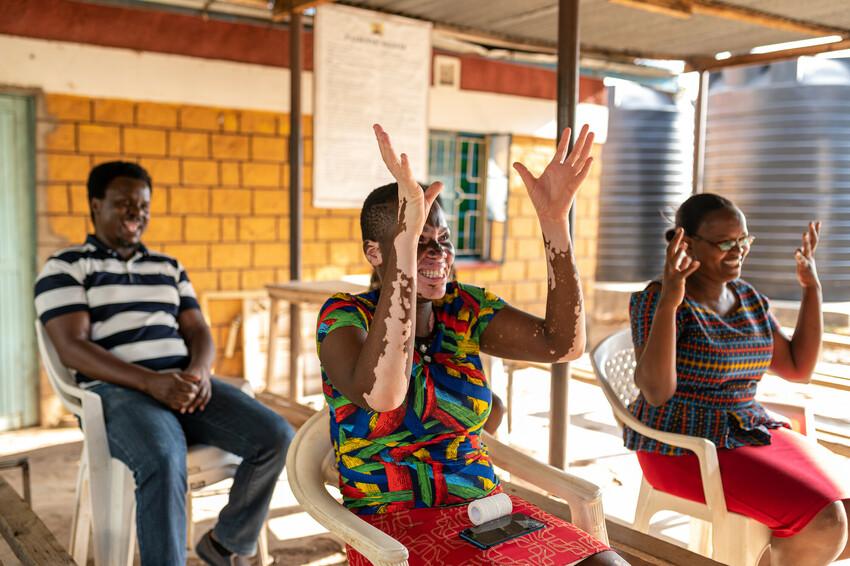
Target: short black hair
(693,211)
(380,212)
(103,174)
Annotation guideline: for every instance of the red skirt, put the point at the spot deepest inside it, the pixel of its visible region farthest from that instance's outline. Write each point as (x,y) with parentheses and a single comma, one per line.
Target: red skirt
(431,535)
(782,485)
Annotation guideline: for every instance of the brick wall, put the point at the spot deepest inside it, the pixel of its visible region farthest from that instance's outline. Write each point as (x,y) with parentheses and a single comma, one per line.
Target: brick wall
(220,201)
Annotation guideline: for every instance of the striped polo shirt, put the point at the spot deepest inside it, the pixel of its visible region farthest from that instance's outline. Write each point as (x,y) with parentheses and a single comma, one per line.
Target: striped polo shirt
(133,304)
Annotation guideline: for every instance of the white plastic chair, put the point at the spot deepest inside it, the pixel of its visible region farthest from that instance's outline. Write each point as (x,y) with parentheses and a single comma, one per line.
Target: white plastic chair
(733,539)
(105,488)
(310,464)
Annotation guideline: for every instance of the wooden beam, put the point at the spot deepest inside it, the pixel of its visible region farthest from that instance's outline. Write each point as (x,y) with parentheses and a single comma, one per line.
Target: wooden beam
(711,64)
(719,9)
(674,8)
(29,539)
(282,8)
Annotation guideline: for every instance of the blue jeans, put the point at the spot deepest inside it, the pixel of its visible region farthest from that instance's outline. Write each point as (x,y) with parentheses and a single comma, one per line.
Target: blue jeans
(151,440)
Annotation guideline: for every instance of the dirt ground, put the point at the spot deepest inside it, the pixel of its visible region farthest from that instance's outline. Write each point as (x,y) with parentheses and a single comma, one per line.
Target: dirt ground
(295,539)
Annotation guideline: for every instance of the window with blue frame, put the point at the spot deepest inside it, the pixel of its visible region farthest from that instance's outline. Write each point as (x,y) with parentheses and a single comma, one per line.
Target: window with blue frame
(473,168)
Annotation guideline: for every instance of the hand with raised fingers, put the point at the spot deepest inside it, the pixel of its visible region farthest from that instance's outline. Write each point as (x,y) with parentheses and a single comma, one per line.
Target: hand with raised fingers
(678,266)
(552,193)
(807,273)
(413,202)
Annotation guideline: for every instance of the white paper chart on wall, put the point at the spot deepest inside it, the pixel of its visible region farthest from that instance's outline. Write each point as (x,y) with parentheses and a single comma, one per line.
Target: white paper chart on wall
(369,68)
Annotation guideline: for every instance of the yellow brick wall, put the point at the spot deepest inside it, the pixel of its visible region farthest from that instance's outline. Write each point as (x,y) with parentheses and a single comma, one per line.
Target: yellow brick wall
(220,199)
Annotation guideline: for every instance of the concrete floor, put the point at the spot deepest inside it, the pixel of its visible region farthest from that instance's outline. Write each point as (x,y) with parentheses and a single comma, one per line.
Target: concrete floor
(595,452)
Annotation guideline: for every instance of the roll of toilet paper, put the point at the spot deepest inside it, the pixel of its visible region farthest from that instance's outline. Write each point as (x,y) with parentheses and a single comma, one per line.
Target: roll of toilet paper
(489,508)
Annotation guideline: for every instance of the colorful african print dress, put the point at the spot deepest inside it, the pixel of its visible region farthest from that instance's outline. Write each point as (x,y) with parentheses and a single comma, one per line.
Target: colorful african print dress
(407,471)
(427,452)
(769,472)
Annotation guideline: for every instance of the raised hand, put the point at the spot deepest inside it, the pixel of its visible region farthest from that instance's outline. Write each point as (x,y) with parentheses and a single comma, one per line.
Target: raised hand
(678,266)
(807,273)
(413,202)
(553,192)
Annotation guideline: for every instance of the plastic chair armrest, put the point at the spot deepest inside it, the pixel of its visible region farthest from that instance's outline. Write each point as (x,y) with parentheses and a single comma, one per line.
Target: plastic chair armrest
(583,497)
(308,453)
(374,544)
(800,414)
(705,451)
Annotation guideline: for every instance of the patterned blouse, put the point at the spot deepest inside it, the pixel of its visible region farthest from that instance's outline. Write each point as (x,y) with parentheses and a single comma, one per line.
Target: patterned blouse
(426,453)
(719,362)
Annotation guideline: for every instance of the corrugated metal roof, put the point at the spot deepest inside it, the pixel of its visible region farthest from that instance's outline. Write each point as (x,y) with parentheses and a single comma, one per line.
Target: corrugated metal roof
(606,26)
(608,29)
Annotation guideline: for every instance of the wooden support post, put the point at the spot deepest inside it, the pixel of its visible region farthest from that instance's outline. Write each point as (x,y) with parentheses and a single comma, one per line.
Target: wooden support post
(700,118)
(568,84)
(296,160)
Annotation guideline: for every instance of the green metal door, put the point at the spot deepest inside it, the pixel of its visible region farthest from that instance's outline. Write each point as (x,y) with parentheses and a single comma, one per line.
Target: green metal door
(18,365)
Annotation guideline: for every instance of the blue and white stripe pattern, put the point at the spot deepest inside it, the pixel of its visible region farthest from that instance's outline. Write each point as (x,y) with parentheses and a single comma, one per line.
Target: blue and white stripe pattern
(133,305)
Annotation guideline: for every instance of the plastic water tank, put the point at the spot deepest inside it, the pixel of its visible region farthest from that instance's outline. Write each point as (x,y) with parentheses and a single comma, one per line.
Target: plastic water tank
(778,145)
(646,173)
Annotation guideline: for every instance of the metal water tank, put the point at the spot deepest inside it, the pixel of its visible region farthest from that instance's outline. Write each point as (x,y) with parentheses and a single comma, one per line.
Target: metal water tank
(646,173)
(778,145)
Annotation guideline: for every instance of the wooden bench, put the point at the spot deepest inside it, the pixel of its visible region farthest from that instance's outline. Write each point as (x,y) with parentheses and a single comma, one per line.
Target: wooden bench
(26,535)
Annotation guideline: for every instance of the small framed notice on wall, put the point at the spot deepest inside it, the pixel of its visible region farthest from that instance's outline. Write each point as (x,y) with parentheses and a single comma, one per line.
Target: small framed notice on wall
(368,68)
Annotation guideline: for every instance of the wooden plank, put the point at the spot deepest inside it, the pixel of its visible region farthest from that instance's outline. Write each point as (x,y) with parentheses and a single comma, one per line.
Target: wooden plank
(26,535)
(683,9)
(672,8)
(637,548)
(294,413)
(283,8)
(720,9)
(711,64)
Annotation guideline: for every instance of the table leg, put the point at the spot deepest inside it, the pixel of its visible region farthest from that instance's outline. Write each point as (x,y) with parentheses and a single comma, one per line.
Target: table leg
(296,378)
(271,350)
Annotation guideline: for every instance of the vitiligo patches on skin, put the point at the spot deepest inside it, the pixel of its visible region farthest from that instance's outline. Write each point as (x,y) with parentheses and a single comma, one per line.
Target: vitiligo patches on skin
(553,253)
(563,278)
(394,358)
(392,361)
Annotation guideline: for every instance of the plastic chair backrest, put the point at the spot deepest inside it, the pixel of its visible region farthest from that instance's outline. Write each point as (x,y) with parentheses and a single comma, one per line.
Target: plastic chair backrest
(60,376)
(614,364)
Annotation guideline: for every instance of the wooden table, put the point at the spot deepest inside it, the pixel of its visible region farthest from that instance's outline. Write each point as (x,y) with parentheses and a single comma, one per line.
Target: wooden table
(298,293)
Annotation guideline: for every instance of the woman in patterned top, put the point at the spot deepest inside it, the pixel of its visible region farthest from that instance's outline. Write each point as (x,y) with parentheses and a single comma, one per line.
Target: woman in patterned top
(703,339)
(403,379)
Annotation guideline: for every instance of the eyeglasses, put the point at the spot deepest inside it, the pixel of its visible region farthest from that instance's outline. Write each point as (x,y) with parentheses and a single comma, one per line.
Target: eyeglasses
(726,245)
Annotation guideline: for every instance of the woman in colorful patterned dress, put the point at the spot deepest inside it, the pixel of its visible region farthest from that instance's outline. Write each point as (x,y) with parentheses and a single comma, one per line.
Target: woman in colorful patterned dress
(703,339)
(403,379)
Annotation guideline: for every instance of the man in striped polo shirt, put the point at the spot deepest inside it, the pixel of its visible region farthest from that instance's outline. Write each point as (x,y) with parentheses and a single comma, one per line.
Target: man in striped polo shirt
(127,321)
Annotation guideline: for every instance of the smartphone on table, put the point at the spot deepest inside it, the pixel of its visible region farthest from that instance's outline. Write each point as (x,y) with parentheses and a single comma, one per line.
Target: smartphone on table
(500,530)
